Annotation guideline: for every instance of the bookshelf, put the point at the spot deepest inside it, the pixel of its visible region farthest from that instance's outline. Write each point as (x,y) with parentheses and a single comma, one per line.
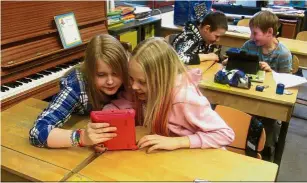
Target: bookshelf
(144,28)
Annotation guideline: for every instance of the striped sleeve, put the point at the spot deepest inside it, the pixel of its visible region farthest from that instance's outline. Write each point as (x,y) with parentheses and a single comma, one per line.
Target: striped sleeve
(284,60)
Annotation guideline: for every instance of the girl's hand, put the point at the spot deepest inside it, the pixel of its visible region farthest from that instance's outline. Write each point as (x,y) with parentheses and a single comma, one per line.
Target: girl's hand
(265,66)
(162,142)
(97,133)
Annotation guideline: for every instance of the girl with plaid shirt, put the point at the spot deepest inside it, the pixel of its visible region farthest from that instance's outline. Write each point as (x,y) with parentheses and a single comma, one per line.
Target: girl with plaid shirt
(169,104)
(102,77)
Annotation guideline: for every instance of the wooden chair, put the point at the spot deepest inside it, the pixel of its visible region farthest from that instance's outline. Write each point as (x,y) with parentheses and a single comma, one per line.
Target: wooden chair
(170,38)
(288,28)
(239,121)
(127,46)
(295,64)
(302,36)
(295,67)
(243,22)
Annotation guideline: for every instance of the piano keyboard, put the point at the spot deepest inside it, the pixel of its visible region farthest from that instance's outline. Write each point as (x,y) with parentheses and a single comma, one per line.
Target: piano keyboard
(35,80)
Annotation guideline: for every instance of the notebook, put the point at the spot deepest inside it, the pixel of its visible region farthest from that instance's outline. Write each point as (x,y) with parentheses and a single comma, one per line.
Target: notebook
(248,63)
(124,121)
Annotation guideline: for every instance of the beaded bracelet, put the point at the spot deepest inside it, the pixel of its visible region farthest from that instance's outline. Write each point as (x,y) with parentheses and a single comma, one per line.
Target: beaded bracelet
(74,138)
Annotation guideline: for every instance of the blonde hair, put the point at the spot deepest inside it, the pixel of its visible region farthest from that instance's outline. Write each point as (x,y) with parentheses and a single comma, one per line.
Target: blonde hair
(265,20)
(161,66)
(104,48)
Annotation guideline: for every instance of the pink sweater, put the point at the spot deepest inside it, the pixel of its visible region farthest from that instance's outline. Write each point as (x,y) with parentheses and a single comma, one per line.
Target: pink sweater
(123,102)
(192,116)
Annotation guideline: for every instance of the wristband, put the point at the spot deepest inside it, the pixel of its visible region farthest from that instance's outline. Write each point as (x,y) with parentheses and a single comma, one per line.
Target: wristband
(73,138)
(80,131)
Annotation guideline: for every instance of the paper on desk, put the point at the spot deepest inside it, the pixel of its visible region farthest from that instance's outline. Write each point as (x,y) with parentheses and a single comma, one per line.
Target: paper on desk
(239,29)
(288,80)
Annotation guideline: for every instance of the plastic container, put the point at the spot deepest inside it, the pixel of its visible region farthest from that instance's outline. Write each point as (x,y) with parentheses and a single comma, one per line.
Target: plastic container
(280,89)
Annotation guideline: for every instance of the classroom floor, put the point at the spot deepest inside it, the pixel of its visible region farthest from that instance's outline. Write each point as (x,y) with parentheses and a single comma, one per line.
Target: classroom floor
(294,161)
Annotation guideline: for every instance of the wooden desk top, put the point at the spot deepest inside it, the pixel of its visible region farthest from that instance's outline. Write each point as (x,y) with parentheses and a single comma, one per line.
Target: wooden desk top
(38,169)
(15,126)
(295,46)
(178,165)
(269,94)
(78,178)
(41,164)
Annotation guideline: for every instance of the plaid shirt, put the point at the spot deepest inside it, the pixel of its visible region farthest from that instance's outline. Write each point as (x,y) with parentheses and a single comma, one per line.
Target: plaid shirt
(72,98)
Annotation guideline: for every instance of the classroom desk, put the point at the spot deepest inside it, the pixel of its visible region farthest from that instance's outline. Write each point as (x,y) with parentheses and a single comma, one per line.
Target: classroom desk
(267,104)
(23,162)
(178,165)
(235,39)
(26,162)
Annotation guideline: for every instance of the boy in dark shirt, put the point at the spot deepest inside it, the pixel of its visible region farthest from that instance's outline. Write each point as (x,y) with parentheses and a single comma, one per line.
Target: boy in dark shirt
(195,43)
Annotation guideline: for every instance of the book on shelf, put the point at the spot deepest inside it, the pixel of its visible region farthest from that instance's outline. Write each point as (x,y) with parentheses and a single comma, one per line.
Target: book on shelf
(68,30)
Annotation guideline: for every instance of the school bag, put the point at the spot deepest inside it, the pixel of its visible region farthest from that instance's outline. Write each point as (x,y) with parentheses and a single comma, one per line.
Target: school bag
(234,78)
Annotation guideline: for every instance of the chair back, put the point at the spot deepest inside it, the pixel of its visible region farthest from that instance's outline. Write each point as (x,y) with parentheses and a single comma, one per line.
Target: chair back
(127,46)
(295,64)
(302,36)
(170,38)
(239,121)
(243,22)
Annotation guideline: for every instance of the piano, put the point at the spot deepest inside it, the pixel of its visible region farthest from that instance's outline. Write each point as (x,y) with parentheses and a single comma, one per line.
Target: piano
(32,56)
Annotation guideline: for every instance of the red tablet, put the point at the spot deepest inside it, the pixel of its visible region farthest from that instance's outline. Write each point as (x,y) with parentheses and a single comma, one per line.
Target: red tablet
(124,121)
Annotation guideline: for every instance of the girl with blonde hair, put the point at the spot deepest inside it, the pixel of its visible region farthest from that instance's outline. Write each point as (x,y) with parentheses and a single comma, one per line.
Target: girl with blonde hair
(169,103)
(101,78)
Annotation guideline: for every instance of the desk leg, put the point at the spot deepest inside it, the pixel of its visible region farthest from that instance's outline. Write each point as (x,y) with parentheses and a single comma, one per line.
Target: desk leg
(281,143)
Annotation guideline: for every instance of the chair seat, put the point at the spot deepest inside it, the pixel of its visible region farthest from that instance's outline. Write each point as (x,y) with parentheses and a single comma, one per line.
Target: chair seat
(302,36)
(241,151)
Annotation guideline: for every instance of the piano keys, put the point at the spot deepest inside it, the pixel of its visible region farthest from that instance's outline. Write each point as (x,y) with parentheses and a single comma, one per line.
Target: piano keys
(35,80)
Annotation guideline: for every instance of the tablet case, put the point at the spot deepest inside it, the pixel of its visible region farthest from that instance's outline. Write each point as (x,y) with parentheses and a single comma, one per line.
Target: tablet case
(124,121)
(241,60)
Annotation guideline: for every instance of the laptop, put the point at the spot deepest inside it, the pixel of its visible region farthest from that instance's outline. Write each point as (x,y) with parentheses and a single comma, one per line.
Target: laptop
(248,63)
(124,121)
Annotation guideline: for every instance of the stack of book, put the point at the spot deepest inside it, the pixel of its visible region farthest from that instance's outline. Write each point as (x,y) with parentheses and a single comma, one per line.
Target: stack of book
(127,13)
(114,18)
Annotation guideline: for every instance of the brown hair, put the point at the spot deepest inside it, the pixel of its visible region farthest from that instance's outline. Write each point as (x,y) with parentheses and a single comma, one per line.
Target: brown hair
(216,20)
(265,20)
(104,48)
